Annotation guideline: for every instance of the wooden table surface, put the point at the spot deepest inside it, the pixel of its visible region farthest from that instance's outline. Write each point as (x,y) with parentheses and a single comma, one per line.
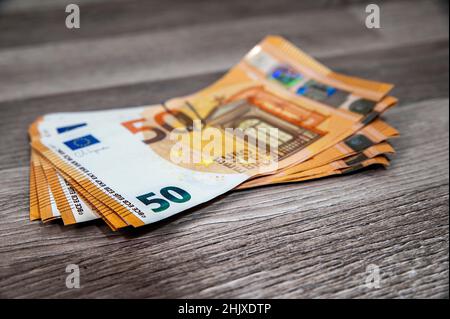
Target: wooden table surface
(305,240)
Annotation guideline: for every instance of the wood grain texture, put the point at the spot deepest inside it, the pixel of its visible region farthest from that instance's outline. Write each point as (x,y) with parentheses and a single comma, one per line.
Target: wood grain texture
(113,60)
(106,18)
(303,240)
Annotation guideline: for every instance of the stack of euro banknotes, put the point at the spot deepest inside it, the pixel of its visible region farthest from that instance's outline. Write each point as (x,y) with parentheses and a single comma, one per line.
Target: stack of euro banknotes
(278,116)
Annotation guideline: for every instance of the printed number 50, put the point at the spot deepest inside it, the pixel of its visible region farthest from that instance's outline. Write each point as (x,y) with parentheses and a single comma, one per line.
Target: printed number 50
(171,193)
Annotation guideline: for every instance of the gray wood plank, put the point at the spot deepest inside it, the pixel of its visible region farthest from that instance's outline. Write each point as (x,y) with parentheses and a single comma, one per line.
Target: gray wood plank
(7,7)
(43,21)
(305,240)
(169,53)
(310,239)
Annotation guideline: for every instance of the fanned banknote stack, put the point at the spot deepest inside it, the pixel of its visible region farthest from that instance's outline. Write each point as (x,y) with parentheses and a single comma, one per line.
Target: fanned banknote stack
(278,116)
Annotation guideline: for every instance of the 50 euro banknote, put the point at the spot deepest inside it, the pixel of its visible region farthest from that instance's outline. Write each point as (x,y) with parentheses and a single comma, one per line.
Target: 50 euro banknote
(126,163)
(365,143)
(51,195)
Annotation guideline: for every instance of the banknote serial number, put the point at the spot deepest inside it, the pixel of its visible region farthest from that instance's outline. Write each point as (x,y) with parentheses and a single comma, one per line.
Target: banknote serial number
(231,309)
